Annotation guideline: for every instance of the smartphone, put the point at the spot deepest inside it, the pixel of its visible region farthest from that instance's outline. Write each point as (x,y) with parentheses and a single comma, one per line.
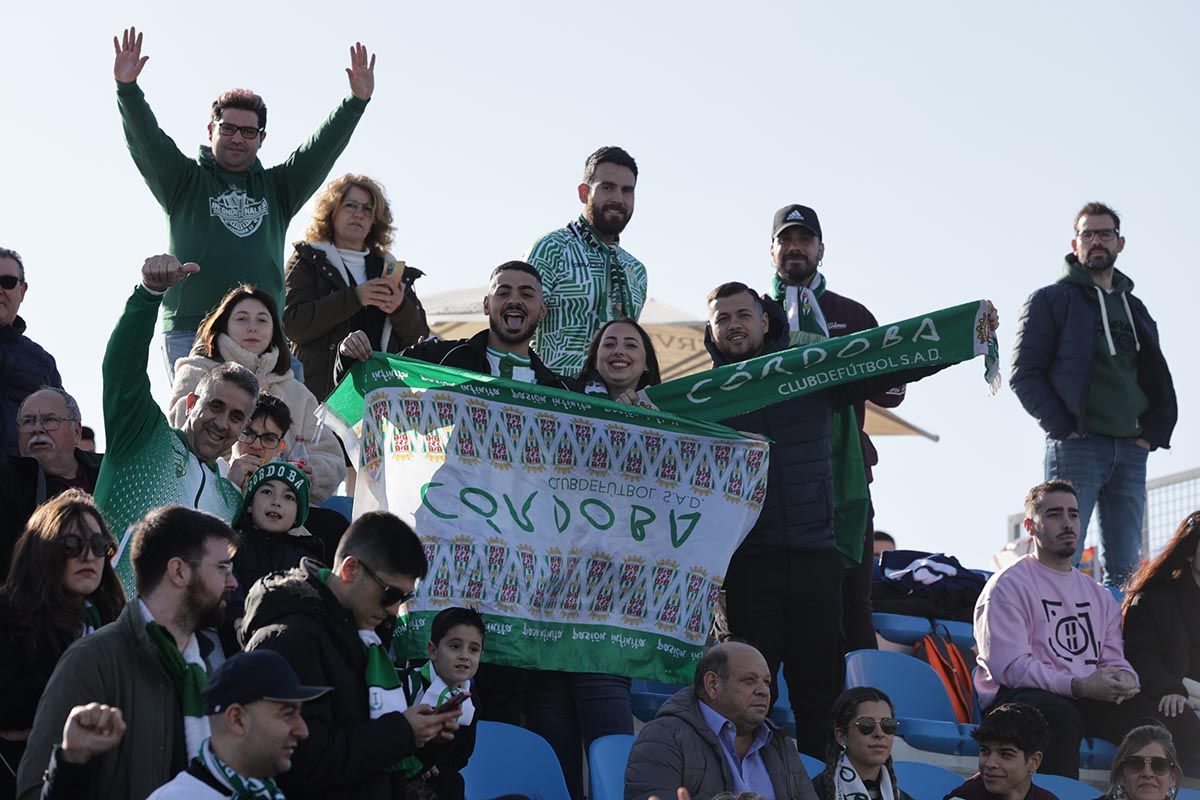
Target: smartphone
(453,703)
(393,272)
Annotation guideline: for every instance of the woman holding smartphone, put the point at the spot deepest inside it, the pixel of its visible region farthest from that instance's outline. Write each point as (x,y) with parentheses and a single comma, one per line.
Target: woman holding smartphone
(347,296)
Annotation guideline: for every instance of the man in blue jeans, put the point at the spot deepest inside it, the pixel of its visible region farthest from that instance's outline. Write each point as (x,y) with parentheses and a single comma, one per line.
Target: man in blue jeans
(1088,367)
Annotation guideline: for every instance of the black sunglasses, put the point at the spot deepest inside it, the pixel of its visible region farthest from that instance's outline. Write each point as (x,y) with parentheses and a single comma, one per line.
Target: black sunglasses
(100,545)
(391,594)
(866,725)
(9,282)
(1159,765)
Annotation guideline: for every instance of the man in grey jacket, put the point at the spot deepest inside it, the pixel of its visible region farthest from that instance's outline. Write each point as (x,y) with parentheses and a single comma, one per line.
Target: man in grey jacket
(714,736)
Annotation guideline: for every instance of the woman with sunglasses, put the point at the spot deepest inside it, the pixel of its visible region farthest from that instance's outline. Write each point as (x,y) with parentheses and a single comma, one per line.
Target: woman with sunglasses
(1146,766)
(60,587)
(858,762)
(245,328)
(345,299)
(1161,624)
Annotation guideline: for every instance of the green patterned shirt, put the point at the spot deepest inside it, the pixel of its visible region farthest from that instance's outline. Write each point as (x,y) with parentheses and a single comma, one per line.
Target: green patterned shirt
(586,283)
(147,463)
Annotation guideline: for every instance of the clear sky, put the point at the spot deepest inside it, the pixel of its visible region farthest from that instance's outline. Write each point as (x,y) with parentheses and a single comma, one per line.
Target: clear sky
(945,145)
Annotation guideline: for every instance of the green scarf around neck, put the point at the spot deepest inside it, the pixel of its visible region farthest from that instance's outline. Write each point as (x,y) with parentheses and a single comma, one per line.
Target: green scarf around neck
(189,679)
(242,788)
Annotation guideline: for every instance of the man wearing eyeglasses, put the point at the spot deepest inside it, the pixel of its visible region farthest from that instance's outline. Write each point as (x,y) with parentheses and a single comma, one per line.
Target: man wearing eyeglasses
(1088,367)
(24,366)
(715,736)
(50,462)
(150,662)
(334,626)
(224,209)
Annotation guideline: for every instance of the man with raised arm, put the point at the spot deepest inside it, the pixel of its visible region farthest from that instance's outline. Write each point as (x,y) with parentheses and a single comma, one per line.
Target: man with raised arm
(224,208)
(148,463)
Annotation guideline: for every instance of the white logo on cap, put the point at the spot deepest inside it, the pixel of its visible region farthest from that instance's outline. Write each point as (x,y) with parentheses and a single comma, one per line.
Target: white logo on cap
(795,215)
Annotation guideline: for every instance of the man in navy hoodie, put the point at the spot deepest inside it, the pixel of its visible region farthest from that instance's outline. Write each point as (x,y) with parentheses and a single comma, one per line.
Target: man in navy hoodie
(1088,367)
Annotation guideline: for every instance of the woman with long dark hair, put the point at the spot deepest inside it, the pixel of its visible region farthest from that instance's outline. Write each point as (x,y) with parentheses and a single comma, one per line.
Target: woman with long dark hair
(1161,623)
(61,586)
(858,761)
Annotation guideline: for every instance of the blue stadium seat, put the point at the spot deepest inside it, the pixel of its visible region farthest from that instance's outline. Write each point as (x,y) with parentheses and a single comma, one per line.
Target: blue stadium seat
(342,504)
(512,760)
(606,766)
(648,696)
(1096,753)
(1065,788)
(781,712)
(915,689)
(1187,794)
(813,766)
(903,629)
(925,781)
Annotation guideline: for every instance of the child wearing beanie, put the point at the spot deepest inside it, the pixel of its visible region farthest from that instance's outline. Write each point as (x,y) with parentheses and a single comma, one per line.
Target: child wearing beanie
(272,537)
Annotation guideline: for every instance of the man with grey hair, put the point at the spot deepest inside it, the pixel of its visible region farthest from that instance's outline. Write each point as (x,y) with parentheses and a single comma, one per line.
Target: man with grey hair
(50,462)
(148,463)
(24,365)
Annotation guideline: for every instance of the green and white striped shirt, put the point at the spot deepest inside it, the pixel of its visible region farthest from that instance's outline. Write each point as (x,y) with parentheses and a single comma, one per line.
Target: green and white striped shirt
(586,283)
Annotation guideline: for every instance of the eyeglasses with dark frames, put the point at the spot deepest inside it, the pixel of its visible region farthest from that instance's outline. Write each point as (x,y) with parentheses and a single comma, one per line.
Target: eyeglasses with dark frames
(1159,765)
(101,546)
(391,594)
(268,440)
(866,725)
(249,133)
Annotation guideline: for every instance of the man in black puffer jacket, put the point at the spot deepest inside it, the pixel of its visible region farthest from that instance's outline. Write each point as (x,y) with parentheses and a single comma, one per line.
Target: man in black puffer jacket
(24,366)
(325,623)
(1088,367)
(783,589)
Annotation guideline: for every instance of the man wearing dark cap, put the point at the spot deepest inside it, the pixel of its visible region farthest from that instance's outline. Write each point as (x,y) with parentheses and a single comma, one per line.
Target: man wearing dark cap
(253,704)
(815,313)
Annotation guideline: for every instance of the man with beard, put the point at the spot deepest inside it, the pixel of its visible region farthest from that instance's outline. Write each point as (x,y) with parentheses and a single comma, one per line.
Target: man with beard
(149,663)
(588,278)
(514,306)
(1088,367)
(815,313)
(148,463)
(1050,637)
(786,576)
(51,461)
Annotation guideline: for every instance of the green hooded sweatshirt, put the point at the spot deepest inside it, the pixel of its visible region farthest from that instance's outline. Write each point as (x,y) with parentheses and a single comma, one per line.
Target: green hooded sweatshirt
(233,224)
(1115,401)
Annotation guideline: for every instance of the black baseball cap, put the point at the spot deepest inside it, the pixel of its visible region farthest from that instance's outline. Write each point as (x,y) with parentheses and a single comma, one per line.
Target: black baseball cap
(796,214)
(256,675)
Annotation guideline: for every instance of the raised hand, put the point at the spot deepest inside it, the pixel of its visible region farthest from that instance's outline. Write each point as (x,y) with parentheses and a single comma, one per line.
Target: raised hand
(160,273)
(91,730)
(129,62)
(361,72)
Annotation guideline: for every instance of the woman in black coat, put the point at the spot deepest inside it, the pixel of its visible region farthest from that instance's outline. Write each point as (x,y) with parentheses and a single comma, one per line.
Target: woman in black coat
(61,586)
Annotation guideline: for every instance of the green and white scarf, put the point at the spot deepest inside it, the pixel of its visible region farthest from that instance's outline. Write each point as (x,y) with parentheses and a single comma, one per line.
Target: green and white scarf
(189,674)
(851,495)
(851,787)
(511,366)
(242,788)
(806,321)
(386,692)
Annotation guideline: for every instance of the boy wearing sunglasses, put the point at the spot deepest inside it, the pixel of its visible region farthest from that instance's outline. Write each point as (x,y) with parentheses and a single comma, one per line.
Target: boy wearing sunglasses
(332,625)
(1011,740)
